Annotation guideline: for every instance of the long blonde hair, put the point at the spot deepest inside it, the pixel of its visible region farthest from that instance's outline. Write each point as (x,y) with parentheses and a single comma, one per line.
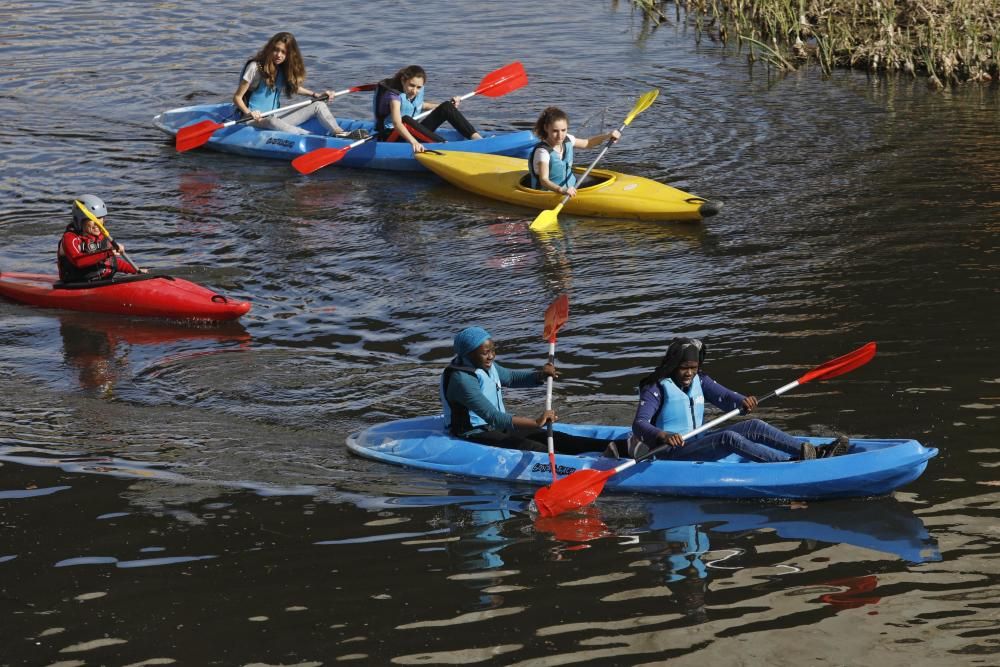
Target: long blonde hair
(295,70)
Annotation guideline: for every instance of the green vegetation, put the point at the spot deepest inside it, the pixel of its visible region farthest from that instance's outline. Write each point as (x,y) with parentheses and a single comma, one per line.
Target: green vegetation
(949,41)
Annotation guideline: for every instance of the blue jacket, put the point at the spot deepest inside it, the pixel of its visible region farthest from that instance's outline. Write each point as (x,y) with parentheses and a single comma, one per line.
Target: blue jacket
(651,398)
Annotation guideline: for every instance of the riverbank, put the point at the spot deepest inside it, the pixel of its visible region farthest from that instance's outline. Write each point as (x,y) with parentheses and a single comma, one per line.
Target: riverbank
(948,41)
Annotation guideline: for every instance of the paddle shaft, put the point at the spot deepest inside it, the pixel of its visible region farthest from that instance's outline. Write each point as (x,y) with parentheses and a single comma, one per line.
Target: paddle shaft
(104,229)
(548,406)
(293,107)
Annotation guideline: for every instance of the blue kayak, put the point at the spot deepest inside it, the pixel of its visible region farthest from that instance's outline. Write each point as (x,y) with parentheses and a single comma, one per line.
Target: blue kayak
(243,139)
(871,468)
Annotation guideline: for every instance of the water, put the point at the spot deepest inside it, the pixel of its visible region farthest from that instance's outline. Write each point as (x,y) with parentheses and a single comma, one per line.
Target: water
(178,494)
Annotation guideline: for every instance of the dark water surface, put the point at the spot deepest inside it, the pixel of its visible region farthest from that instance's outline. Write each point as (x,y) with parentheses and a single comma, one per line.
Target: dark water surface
(182,495)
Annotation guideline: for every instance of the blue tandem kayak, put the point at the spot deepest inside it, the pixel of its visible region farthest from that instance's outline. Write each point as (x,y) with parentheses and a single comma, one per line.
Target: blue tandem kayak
(243,139)
(874,467)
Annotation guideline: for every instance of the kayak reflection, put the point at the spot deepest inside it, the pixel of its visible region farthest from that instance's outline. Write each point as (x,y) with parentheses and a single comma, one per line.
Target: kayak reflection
(880,524)
(681,531)
(99,346)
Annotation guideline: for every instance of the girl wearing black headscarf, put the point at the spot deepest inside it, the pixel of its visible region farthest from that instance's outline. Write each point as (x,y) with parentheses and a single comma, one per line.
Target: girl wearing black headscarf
(672,402)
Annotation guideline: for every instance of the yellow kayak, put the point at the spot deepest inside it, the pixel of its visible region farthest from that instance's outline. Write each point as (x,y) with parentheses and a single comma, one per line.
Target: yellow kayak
(614,195)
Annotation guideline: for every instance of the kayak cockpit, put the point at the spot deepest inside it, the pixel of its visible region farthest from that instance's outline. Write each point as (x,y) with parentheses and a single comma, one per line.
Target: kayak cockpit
(596,180)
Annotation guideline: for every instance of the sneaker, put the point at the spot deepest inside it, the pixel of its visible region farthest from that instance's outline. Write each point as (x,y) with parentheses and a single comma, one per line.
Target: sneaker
(808,452)
(838,447)
(611,451)
(636,447)
(359,133)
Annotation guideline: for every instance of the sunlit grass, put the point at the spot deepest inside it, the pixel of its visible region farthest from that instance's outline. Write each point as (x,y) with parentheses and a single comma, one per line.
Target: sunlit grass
(949,41)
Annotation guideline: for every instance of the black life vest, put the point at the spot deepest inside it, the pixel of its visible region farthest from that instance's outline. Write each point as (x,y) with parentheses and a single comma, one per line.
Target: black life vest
(69,273)
(460,421)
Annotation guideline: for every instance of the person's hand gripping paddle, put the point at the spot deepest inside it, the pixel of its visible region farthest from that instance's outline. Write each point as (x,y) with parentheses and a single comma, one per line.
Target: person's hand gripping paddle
(556,315)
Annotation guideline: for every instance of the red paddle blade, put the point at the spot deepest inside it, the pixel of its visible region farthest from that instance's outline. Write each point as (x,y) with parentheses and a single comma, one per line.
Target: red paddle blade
(363,87)
(502,81)
(582,527)
(556,315)
(573,492)
(841,365)
(319,158)
(196,134)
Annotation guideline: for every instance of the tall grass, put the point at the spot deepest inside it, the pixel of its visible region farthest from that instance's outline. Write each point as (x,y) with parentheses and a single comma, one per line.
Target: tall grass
(949,41)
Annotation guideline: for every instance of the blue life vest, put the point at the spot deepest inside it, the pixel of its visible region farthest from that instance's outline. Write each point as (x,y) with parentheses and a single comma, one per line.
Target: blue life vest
(264,98)
(383,116)
(680,411)
(560,168)
(458,418)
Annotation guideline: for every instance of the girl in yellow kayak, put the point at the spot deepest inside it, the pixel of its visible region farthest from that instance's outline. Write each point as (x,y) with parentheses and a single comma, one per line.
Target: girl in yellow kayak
(278,68)
(551,161)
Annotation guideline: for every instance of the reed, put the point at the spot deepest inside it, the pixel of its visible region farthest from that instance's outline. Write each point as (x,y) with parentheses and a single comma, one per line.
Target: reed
(948,41)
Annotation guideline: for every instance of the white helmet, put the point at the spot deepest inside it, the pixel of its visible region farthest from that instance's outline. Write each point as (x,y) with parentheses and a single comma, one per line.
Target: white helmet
(93,204)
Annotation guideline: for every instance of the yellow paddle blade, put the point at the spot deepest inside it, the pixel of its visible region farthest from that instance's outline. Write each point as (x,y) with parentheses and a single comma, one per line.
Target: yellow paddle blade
(642,104)
(547,219)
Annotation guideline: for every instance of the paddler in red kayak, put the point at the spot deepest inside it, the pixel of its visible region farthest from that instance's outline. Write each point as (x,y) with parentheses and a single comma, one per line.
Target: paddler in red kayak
(85,254)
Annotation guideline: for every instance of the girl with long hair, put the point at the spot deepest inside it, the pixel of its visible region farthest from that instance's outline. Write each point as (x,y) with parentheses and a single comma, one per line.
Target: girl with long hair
(278,69)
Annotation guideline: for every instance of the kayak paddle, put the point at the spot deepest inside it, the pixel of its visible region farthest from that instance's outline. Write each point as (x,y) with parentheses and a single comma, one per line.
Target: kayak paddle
(556,315)
(198,134)
(497,83)
(550,217)
(583,486)
(104,230)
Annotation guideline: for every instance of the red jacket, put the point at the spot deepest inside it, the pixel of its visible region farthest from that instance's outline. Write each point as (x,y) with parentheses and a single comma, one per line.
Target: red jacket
(86,257)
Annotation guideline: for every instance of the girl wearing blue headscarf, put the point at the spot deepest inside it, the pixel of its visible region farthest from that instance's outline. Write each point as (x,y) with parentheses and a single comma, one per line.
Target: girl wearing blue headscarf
(472,398)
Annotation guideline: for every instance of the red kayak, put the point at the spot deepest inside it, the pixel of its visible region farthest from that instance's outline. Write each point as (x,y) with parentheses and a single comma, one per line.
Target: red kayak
(141,295)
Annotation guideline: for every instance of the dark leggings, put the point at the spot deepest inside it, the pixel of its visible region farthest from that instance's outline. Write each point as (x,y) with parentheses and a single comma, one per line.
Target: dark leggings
(424,130)
(536,440)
